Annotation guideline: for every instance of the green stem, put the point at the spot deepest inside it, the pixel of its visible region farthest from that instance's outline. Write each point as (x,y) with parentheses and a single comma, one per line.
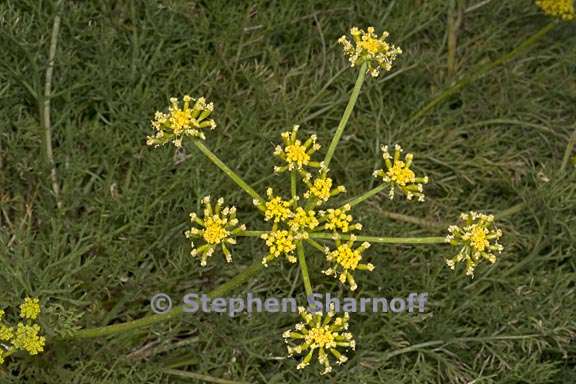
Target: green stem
(346,115)
(304,268)
(316,245)
(251,233)
(481,71)
(293,184)
(221,290)
(383,240)
(230,173)
(365,196)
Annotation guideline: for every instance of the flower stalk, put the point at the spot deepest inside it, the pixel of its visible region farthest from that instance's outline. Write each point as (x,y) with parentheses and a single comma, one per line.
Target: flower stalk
(347,112)
(224,168)
(383,240)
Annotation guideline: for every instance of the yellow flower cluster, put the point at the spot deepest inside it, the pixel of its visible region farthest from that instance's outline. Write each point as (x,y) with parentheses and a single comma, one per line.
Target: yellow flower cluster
(303,219)
(321,334)
(399,174)
(180,122)
(276,209)
(25,336)
(562,9)
(478,239)
(369,48)
(295,154)
(321,189)
(339,220)
(216,228)
(30,308)
(295,219)
(279,242)
(346,260)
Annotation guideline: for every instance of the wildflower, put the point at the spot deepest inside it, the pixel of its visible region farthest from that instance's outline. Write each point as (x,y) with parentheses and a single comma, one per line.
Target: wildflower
(279,242)
(478,239)
(324,335)
(296,154)
(339,219)
(399,174)
(216,228)
(304,219)
(276,208)
(370,48)
(27,338)
(563,9)
(180,122)
(321,189)
(30,308)
(346,260)
(6,333)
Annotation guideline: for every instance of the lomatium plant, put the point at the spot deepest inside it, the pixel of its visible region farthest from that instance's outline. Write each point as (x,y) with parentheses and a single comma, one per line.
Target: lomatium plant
(303,217)
(308,215)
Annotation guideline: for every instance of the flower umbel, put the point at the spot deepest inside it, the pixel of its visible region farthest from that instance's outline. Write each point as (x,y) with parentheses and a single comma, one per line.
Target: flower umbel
(399,174)
(324,335)
(295,154)
(368,47)
(346,260)
(30,308)
(216,228)
(562,9)
(478,239)
(180,122)
(279,242)
(321,189)
(303,219)
(25,336)
(276,209)
(339,220)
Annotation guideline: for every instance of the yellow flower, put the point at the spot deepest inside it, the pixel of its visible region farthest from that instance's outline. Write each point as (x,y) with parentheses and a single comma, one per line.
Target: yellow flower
(339,220)
(346,260)
(303,219)
(279,242)
(321,189)
(180,122)
(296,154)
(6,332)
(370,48)
(30,309)
(324,335)
(563,9)
(276,208)
(216,228)
(399,175)
(478,239)
(27,338)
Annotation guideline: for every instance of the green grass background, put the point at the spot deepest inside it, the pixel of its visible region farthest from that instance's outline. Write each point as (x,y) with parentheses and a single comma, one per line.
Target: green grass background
(267,65)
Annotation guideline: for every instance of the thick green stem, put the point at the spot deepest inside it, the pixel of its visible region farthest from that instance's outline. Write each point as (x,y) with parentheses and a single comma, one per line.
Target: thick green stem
(383,240)
(304,268)
(365,196)
(481,71)
(230,173)
(221,290)
(346,115)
